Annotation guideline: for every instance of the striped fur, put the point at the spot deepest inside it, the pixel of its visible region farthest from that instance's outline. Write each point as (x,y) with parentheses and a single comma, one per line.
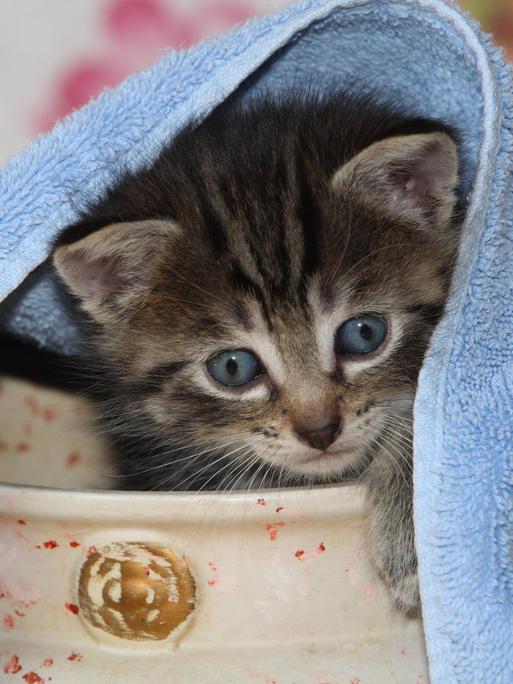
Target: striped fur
(255,232)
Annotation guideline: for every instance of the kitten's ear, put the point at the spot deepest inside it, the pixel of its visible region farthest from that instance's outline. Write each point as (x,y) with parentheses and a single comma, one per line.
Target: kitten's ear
(113,267)
(412,175)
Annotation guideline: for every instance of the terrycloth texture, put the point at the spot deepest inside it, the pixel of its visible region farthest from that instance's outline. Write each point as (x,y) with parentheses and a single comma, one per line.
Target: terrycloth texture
(426,55)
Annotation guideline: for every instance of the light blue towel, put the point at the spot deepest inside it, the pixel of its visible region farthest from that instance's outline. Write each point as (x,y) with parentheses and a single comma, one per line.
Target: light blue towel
(425,54)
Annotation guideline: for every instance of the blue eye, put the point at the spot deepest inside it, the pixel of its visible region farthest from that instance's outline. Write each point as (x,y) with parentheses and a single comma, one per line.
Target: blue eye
(234,368)
(361,335)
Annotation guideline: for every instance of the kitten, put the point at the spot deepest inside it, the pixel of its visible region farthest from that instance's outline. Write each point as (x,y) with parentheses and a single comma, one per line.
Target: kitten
(262,297)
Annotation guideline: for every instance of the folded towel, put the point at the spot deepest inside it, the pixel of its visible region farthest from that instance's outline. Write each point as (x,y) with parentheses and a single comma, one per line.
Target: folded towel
(428,56)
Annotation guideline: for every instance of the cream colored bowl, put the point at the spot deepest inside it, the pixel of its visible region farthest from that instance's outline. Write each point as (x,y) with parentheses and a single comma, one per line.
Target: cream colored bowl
(103,586)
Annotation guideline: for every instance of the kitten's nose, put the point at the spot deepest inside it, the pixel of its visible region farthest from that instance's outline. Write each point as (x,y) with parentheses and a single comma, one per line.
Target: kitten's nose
(322,437)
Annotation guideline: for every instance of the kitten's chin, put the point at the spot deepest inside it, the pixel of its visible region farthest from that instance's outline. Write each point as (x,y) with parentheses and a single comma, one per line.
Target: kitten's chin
(339,462)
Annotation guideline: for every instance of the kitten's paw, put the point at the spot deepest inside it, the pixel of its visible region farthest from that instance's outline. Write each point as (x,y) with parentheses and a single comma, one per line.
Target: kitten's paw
(406,596)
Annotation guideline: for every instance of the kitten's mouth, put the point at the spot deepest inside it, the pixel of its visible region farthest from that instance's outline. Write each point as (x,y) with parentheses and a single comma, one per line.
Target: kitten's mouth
(328,456)
(340,461)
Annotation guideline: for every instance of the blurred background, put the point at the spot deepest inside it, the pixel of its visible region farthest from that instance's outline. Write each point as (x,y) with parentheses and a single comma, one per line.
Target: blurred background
(56,55)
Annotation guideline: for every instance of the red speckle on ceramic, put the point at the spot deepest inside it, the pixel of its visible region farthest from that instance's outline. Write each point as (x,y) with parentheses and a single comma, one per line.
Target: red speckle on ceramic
(261,502)
(32,405)
(33,678)
(49,414)
(74,544)
(19,613)
(8,621)
(21,600)
(272,529)
(301,554)
(21,522)
(72,608)
(215,580)
(75,656)
(21,447)
(24,599)
(50,544)
(13,666)
(355,680)
(72,459)
(225,584)
(47,662)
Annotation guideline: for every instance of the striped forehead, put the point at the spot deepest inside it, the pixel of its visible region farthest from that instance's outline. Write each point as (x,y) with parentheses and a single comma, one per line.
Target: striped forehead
(268,230)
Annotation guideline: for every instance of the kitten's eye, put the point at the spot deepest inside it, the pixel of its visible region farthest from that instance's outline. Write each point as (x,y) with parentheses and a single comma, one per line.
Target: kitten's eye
(234,368)
(361,335)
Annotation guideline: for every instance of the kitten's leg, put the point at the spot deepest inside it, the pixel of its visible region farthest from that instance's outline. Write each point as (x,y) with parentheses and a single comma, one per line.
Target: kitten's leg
(390,533)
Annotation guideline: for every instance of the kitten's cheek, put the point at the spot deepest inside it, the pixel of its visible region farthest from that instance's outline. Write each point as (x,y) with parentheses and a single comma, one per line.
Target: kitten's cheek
(156,412)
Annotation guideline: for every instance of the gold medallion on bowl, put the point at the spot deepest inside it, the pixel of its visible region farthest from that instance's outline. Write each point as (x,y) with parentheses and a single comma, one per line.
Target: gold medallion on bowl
(136,590)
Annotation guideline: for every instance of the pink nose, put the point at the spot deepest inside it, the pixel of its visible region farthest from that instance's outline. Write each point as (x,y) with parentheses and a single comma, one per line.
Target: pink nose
(322,437)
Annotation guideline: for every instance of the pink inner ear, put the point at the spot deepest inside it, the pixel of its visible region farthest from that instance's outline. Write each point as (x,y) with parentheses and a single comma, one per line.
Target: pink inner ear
(412,189)
(97,277)
(422,179)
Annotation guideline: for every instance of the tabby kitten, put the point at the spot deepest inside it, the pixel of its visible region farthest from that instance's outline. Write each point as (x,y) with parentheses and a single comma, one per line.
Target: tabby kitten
(261,299)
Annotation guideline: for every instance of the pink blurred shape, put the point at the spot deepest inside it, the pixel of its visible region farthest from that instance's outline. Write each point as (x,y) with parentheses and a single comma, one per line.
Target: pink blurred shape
(137,33)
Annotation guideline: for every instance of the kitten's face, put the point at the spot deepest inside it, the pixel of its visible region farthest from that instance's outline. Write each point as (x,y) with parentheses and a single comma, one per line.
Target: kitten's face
(280,322)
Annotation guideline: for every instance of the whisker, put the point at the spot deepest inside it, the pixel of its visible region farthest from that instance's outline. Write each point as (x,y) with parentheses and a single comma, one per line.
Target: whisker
(194,474)
(216,474)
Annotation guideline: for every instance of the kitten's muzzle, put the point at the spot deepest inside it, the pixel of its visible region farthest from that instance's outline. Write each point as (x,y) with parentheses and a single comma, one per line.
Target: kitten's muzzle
(321,438)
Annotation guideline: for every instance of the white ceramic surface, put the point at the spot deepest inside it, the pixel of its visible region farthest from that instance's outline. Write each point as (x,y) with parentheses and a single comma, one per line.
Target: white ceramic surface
(284,593)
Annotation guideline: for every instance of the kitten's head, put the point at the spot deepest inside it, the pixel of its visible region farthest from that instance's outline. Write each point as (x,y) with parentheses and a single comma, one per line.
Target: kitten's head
(266,292)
